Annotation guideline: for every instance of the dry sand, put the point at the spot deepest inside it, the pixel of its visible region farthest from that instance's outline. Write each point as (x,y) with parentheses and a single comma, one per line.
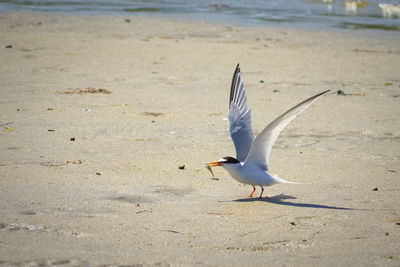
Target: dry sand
(93,178)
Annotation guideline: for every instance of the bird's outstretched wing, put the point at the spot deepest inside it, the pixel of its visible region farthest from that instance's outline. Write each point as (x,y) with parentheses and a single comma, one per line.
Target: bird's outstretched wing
(263,143)
(240,117)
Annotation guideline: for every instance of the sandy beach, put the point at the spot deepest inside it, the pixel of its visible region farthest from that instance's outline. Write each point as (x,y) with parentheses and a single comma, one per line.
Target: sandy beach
(97,114)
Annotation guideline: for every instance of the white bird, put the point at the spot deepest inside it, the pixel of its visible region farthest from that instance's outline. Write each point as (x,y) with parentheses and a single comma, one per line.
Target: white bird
(251,163)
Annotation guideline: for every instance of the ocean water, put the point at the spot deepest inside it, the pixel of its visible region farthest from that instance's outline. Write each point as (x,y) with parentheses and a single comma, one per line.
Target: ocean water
(317,14)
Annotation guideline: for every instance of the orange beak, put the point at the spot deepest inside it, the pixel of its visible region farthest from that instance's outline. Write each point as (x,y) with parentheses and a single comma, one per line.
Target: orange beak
(213,164)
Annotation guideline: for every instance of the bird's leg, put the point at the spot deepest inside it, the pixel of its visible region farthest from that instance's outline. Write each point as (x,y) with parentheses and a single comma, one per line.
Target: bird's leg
(254,190)
(262,191)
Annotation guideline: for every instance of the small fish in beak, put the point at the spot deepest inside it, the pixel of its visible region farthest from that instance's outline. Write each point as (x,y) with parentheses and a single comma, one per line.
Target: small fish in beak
(212,164)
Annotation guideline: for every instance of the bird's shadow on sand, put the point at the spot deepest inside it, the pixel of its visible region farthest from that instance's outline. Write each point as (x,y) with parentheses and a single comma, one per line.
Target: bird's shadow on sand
(282,200)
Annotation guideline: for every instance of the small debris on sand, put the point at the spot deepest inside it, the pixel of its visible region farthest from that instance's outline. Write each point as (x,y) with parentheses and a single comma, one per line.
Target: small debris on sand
(88,90)
(151,114)
(341,92)
(75,162)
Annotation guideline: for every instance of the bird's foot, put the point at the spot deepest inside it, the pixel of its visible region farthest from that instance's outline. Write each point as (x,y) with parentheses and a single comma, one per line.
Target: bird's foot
(251,195)
(262,191)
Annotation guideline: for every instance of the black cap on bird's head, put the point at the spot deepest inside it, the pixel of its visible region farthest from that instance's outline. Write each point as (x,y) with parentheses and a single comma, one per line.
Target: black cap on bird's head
(223,160)
(228,160)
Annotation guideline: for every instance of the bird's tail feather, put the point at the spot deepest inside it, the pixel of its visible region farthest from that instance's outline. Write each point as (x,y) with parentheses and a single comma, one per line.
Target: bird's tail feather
(280,180)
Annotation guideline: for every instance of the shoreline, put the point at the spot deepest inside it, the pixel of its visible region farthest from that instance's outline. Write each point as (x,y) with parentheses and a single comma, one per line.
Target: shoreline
(187,18)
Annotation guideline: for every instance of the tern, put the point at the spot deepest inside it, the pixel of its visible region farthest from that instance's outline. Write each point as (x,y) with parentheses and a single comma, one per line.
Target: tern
(251,163)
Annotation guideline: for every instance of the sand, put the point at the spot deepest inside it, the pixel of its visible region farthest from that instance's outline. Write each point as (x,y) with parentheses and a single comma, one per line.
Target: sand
(92,178)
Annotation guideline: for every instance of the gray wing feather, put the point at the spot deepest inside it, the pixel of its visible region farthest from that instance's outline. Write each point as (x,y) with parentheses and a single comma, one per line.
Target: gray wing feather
(263,143)
(240,118)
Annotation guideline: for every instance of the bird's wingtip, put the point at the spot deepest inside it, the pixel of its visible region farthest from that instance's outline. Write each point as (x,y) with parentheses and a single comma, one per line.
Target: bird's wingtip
(237,68)
(234,80)
(320,94)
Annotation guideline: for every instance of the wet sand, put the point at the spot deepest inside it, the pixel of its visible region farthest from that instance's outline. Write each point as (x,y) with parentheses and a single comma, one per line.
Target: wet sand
(98,113)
